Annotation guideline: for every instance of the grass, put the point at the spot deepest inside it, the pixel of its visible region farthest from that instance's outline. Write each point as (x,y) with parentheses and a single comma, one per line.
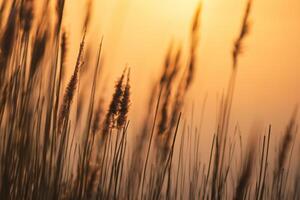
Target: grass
(51,148)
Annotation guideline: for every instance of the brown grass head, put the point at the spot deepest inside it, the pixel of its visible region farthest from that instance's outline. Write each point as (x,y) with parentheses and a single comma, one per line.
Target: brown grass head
(194,40)
(64,51)
(174,67)
(125,103)
(114,105)
(244,32)
(70,90)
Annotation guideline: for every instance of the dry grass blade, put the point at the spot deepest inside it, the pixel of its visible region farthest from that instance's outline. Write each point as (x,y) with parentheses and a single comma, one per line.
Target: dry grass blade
(70,90)
(246,173)
(49,142)
(286,141)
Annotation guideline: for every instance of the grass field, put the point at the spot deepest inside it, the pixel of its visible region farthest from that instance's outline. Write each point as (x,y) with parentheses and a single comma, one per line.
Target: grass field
(53,147)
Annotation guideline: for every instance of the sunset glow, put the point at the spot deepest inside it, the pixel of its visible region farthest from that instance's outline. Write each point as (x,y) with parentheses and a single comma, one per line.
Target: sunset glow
(149,99)
(138,33)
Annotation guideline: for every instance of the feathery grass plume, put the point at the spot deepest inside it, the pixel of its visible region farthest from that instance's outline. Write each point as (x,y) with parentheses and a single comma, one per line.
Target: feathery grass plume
(26,14)
(237,49)
(114,105)
(238,45)
(246,173)
(193,46)
(174,68)
(70,90)
(286,143)
(64,52)
(226,103)
(124,105)
(64,44)
(187,79)
(164,81)
(39,49)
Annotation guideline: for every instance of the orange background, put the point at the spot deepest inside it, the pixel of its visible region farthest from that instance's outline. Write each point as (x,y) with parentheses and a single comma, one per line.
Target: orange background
(138,32)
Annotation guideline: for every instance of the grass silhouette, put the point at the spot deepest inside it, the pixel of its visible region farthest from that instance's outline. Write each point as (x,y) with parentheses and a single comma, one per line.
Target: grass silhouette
(45,155)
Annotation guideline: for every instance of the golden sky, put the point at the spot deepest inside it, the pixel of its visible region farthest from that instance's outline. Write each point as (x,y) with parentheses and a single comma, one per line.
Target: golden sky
(138,32)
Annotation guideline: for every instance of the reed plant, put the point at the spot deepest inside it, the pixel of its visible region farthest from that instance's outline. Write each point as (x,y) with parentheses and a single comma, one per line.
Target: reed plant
(58,140)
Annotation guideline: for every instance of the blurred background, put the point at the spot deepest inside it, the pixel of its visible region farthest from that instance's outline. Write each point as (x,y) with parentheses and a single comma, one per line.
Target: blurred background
(137,33)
